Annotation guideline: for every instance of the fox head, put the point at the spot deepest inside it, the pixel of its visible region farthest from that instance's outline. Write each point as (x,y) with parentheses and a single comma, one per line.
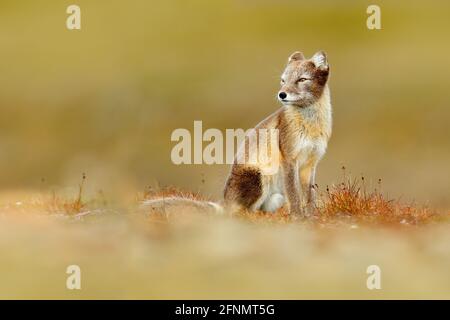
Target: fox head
(303,81)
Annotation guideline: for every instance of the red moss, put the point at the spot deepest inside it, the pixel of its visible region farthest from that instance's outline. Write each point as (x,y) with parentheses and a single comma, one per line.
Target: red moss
(350,200)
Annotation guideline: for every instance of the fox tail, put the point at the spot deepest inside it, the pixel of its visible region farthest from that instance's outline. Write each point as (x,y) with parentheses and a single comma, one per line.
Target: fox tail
(177,204)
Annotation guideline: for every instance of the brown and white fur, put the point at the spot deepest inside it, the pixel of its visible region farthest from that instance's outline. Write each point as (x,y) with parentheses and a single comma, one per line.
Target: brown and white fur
(304,126)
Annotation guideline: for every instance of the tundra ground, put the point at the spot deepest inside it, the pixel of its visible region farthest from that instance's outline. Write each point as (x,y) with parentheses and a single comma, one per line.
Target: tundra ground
(126,252)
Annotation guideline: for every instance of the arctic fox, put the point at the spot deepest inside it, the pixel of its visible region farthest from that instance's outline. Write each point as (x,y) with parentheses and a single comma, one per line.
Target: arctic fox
(304,128)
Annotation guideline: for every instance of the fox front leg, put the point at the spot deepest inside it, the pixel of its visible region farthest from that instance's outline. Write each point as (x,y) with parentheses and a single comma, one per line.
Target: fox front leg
(292,188)
(308,181)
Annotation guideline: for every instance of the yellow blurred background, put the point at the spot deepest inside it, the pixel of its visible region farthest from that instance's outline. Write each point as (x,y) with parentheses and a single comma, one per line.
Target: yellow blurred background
(104,100)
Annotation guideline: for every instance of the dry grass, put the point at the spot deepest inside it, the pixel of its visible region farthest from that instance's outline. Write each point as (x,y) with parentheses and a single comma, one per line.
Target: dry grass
(73,206)
(185,254)
(354,201)
(349,202)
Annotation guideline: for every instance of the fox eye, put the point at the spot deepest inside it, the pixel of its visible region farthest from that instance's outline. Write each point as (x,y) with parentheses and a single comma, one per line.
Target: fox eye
(302,80)
(282,81)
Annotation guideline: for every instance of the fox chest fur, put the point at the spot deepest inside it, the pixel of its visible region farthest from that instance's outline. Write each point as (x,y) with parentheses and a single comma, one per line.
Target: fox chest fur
(304,132)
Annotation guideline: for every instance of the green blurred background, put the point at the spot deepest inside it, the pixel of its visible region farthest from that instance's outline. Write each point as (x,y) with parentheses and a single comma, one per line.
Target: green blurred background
(104,100)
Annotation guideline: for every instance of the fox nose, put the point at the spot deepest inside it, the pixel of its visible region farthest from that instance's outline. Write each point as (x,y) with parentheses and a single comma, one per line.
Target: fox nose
(282,95)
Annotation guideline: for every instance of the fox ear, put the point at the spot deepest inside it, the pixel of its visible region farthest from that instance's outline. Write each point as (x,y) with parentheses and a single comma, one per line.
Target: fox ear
(296,56)
(320,60)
